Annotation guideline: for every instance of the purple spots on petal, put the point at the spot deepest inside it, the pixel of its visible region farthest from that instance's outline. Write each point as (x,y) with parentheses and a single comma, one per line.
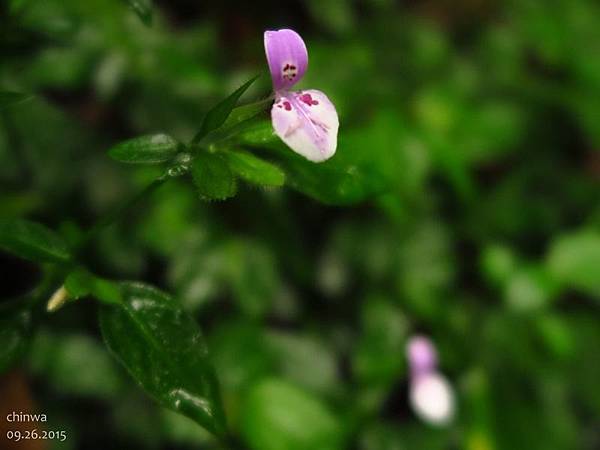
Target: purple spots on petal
(307,98)
(289,72)
(287,57)
(311,132)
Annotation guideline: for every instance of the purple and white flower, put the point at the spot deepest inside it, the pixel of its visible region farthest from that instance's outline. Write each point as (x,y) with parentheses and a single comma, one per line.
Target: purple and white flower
(305,120)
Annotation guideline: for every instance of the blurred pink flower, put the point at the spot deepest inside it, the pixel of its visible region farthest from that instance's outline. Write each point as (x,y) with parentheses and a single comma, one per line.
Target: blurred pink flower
(430,394)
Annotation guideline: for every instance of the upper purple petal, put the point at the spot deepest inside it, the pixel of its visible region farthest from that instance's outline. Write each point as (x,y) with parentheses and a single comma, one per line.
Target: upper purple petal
(287,57)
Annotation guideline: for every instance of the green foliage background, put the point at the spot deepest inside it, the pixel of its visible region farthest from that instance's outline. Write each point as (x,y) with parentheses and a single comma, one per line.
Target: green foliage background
(463,203)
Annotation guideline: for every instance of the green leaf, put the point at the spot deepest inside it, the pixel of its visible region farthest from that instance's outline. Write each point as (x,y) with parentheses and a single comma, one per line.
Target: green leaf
(15,329)
(241,120)
(164,350)
(279,416)
(32,241)
(81,283)
(574,259)
(212,177)
(242,113)
(143,9)
(366,163)
(219,114)
(150,149)
(261,133)
(253,169)
(12,98)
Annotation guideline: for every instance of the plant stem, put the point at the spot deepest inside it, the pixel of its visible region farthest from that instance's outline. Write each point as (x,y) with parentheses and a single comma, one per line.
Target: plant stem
(119,211)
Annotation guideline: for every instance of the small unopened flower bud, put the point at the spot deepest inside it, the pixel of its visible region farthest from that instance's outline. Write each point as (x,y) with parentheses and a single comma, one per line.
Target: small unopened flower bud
(58,299)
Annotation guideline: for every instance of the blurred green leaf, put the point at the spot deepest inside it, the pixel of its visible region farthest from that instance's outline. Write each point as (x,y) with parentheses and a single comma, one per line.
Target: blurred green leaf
(219,114)
(476,393)
(75,364)
(253,169)
(574,259)
(529,289)
(32,241)
(15,6)
(143,9)
(427,268)
(378,436)
(305,360)
(251,273)
(378,357)
(12,98)
(241,354)
(199,268)
(15,329)
(150,149)
(389,435)
(278,416)
(181,431)
(498,263)
(212,177)
(556,335)
(135,418)
(81,283)
(162,347)
(586,334)
(335,15)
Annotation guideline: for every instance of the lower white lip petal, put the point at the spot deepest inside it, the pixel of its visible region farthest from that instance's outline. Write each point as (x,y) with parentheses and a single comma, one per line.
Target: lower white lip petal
(307,122)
